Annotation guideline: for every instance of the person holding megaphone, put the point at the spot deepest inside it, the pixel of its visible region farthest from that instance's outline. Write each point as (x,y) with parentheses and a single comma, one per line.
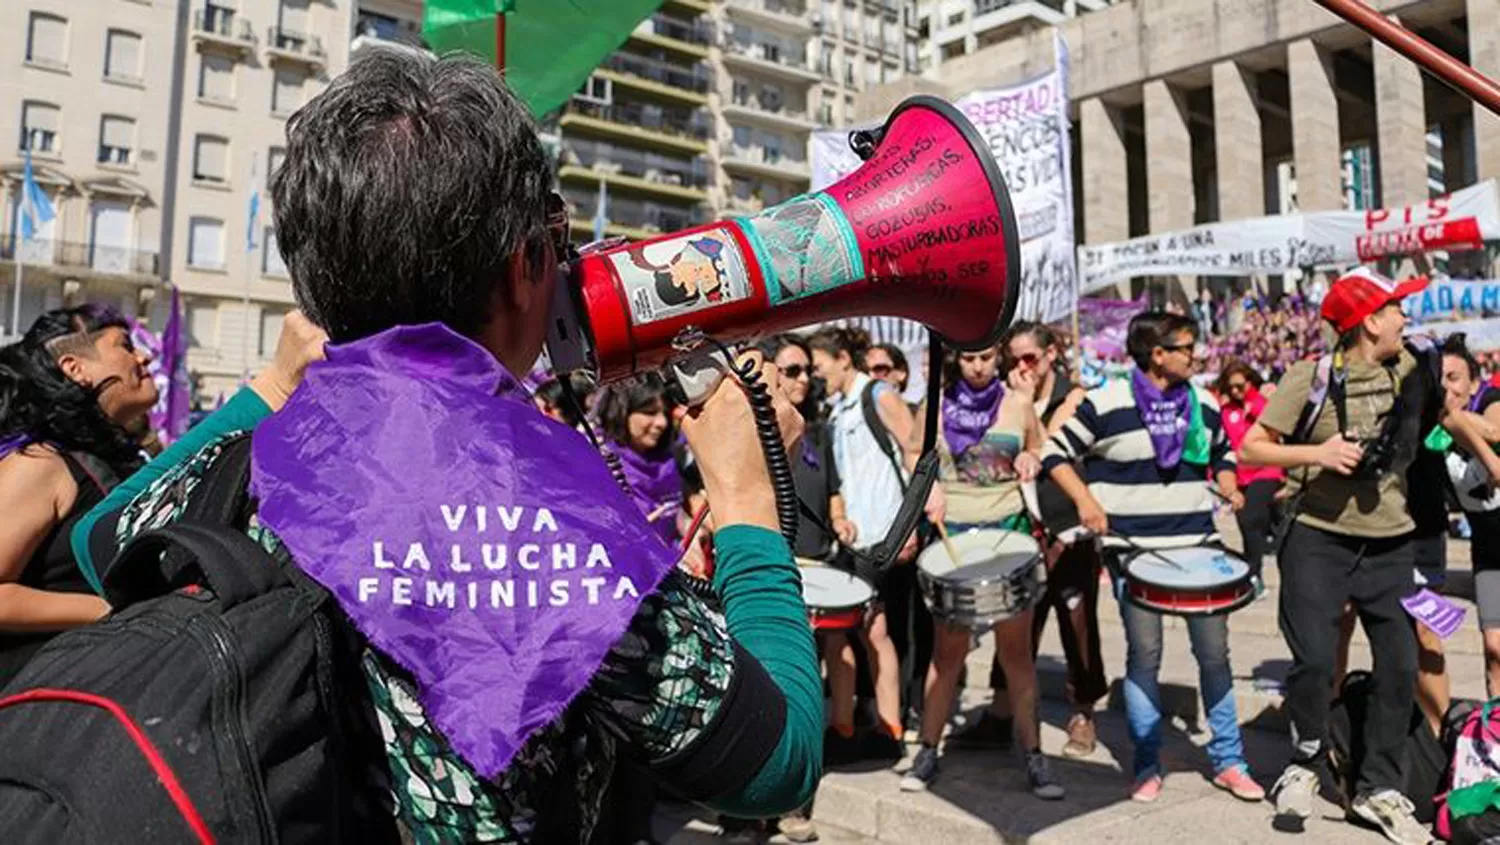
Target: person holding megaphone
(525,628)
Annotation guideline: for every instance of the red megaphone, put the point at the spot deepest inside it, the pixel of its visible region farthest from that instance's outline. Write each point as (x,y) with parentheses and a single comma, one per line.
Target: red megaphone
(924,229)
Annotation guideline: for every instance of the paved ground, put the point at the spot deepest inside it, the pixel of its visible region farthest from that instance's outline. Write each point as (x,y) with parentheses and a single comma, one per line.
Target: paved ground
(980,796)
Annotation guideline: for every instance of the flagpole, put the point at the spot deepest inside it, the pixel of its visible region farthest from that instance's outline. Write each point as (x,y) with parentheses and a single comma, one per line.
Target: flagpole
(15,297)
(245,304)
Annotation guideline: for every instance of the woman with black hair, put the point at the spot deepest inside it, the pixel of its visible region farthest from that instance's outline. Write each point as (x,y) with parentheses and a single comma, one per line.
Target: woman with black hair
(70,391)
(636,418)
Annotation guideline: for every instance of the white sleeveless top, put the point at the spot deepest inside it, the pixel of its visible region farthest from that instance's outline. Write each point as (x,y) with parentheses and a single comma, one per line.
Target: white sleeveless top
(869,484)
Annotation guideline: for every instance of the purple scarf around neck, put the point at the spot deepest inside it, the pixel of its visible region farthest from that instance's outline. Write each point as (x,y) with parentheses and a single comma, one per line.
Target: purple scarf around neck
(481,546)
(969,413)
(1166,415)
(654,485)
(13,443)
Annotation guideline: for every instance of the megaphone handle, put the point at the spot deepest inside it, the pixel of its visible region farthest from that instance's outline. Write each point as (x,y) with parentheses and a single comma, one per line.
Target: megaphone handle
(698,374)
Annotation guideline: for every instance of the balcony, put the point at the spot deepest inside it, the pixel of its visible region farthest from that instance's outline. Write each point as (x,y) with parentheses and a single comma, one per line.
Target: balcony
(662,79)
(765,163)
(770,61)
(629,218)
(107,260)
(223,28)
(780,15)
(293,47)
(635,173)
(688,8)
(637,125)
(688,40)
(768,113)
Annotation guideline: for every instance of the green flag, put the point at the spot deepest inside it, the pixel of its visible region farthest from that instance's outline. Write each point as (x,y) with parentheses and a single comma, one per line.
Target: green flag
(547,48)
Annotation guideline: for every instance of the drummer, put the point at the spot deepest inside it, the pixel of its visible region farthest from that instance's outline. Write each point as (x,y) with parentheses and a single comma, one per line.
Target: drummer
(984,427)
(1147,452)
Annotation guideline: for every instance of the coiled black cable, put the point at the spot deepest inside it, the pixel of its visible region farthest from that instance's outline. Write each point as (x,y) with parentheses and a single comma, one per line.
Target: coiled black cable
(778,465)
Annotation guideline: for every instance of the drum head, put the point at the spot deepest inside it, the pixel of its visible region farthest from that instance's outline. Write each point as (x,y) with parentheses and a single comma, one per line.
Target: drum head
(826,587)
(988,547)
(1197,568)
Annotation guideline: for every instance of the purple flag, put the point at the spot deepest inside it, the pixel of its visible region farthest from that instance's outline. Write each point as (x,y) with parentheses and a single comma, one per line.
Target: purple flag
(179,394)
(477,543)
(1439,614)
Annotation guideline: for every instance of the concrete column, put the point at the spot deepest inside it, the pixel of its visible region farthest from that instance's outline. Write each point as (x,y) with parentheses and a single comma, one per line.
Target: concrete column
(1457,153)
(1237,143)
(1169,164)
(1106,205)
(1484,56)
(1401,115)
(1316,149)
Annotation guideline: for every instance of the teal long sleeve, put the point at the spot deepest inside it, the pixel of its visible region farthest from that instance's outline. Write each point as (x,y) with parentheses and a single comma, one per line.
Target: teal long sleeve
(243,411)
(762,592)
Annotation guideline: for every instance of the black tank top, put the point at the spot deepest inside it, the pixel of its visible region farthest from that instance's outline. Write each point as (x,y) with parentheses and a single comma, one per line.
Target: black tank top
(1058,511)
(52,566)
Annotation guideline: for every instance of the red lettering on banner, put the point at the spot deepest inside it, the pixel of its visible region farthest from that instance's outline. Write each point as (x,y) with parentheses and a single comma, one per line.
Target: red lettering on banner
(1431,211)
(1449,234)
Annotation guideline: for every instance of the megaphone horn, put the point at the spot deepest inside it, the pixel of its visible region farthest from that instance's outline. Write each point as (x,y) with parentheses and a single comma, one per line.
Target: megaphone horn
(924,229)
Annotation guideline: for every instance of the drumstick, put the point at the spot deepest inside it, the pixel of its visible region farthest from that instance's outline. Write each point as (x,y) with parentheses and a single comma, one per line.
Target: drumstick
(948,543)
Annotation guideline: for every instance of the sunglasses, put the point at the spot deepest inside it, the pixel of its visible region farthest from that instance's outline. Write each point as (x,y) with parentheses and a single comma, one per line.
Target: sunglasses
(795,371)
(881,370)
(1180,347)
(1238,385)
(1030,359)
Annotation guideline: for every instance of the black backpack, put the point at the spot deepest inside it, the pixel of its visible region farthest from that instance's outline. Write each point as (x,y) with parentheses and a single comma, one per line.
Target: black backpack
(1423,760)
(221,701)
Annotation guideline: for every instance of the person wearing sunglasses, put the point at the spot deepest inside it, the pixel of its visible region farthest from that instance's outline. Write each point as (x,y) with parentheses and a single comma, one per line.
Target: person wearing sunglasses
(888,363)
(1147,445)
(1033,358)
(1242,404)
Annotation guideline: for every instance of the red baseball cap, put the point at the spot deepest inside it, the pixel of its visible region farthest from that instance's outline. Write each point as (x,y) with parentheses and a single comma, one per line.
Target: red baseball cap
(1361,292)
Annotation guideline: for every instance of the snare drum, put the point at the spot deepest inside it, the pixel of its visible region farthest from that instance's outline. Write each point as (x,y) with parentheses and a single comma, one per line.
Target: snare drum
(836,600)
(998,575)
(1194,581)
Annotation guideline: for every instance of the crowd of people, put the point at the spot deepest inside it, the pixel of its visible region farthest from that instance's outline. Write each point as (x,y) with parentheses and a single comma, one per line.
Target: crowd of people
(537,637)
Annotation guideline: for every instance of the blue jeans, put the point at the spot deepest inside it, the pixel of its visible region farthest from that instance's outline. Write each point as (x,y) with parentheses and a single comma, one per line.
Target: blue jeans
(1143,642)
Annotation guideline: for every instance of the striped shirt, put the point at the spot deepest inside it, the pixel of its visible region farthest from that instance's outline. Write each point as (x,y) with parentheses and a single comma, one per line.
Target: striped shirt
(1154,507)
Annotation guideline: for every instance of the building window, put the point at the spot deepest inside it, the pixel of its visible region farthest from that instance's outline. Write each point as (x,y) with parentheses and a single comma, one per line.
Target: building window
(216,78)
(270,327)
(274,158)
(270,261)
(116,140)
(206,243)
(47,40)
(39,127)
(210,159)
(122,55)
(741,96)
(955,19)
(202,325)
(286,96)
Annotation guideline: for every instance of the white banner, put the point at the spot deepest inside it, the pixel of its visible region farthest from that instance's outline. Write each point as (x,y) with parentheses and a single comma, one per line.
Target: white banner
(1026,127)
(1272,245)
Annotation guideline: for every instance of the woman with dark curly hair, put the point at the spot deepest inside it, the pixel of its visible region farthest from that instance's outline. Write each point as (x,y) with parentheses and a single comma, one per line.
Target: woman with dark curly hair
(636,419)
(71,390)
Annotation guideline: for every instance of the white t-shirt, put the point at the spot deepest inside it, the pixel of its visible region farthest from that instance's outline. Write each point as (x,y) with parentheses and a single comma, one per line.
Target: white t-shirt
(868,482)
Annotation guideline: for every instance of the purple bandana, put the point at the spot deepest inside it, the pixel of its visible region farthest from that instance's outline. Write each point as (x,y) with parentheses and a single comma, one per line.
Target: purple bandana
(478,544)
(655,486)
(13,443)
(969,413)
(1166,416)
(1473,400)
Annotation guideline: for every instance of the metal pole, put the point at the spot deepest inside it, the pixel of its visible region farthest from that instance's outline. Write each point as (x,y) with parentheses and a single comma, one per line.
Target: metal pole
(245,303)
(1478,87)
(15,297)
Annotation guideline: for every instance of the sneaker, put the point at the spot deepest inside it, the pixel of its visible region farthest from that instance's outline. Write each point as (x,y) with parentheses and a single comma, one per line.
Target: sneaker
(1391,812)
(1294,792)
(879,745)
(1147,788)
(1082,736)
(1039,775)
(1236,781)
(797,827)
(923,770)
(990,732)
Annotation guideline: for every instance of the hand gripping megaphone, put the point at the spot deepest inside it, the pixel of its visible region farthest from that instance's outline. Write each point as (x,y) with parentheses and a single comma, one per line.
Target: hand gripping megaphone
(924,229)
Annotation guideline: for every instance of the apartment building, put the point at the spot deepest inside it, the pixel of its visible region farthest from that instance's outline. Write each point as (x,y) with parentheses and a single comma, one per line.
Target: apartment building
(81,90)
(948,29)
(247,65)
(150,123)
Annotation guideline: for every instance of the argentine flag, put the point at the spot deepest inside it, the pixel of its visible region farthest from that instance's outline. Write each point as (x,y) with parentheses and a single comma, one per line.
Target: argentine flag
(36,209)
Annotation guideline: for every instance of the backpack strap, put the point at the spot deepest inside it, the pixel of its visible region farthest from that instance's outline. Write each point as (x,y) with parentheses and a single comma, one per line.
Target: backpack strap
(882,435)
(154,563)
(1317,397)
(222,496)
